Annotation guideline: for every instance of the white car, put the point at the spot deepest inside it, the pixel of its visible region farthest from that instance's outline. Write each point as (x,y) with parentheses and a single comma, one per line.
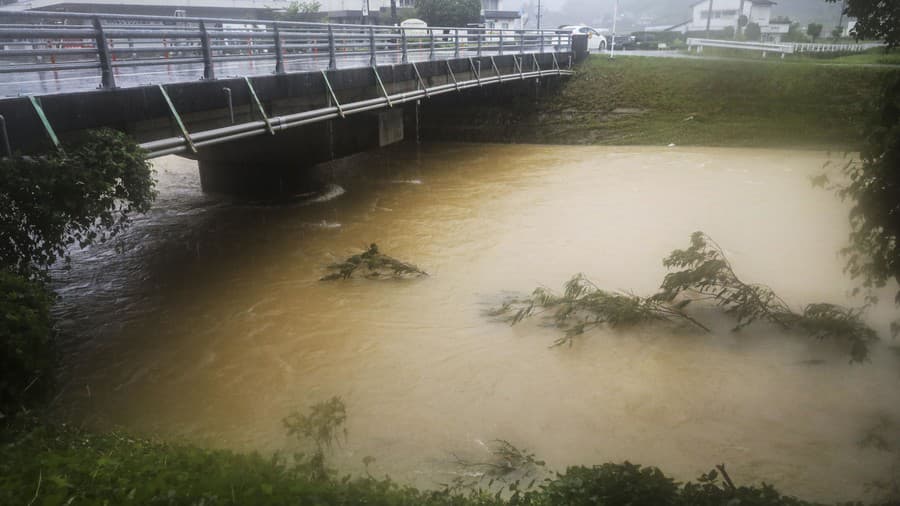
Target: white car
(596,42)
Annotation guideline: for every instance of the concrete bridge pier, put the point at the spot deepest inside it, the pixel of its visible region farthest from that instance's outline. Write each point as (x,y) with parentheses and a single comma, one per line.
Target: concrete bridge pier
(273,165)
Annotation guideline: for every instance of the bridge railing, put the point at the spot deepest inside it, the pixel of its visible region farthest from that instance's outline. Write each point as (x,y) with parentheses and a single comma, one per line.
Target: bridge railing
(764,47)
(131,50)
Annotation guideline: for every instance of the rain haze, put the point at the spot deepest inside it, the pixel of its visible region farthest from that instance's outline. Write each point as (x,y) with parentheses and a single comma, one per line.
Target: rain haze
(349,252)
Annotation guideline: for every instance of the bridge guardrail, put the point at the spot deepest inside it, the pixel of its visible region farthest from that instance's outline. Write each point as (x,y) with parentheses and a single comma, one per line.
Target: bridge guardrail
(763,47)
(121,46)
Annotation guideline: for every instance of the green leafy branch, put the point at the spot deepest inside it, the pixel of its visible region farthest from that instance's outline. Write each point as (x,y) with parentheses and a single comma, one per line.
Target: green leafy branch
(323,426)
(703,273)
(583,305)
(373,265)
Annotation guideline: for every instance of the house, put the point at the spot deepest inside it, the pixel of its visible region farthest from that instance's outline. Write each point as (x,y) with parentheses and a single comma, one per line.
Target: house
(493,16)
(725,14)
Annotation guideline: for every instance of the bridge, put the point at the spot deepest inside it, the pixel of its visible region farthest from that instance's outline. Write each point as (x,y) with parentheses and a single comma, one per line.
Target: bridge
(253,102)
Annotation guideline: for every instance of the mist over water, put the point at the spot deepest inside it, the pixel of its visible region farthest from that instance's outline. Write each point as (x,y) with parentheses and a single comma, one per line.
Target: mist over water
(213,325)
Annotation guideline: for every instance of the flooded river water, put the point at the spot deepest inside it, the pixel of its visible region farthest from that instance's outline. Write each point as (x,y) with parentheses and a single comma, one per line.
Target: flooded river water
(213,326)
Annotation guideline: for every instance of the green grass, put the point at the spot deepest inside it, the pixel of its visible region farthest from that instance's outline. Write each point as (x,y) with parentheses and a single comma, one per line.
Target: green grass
(634,100)
(659,101)
(875,56)
(58,465)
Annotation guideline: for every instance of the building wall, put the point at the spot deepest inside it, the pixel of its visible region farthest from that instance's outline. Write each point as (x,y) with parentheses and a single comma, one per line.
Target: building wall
(725,14)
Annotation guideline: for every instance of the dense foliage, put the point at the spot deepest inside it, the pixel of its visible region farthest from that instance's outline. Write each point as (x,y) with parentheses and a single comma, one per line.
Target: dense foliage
(26,367)
(875,19)
(873,254)
(814,30)
(69,198)
(449,12)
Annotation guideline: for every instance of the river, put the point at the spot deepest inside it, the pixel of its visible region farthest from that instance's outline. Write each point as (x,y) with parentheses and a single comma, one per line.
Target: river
(212,325)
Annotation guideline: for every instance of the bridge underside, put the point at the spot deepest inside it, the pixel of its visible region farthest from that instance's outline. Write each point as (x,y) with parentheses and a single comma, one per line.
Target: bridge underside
(257,135)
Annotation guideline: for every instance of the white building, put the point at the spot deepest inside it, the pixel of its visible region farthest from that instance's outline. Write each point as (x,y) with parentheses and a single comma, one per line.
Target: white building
(494,16)
(725,13)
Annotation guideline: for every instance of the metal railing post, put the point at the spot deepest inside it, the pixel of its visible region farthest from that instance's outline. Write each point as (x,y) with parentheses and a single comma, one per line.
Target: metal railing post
(279,49)
(332,57)
(456,43)
(542,41)
(372,61)
(404,58)
(431,52)
(6,149)
(500,44)
(208,70)
(107,78)
(522,42)
(478,51)
(227,91)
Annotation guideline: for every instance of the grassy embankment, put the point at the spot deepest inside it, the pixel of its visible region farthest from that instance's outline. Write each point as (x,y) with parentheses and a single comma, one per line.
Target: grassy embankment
(658,101)
(718,103)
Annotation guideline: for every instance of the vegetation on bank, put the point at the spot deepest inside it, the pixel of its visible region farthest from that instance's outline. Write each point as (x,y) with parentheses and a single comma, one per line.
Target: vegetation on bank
(83,193)
(635,100)
(44,464)
(660,101)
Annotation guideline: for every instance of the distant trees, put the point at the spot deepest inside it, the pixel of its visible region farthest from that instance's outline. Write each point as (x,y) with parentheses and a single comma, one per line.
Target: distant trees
(814,30)
(449,12)
(875,19)
(299,10)
(752,31)
(795,34)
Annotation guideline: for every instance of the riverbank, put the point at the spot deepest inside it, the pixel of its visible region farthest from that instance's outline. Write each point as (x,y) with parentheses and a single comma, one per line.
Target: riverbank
(683,101)
(56,465)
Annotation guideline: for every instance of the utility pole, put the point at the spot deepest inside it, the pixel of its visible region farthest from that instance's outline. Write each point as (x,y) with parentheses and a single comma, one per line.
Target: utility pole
(737,29)
(394,12)
(539,15)
(709,17)
(612,47)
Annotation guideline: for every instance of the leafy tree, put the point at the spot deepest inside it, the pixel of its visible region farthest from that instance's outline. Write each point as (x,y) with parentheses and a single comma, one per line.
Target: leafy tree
(795,34)
(873,254)
(26,366)
(449,12)
(752,31)
(837,32)
(814,30)
(69,198)
(296,10)
(875,19)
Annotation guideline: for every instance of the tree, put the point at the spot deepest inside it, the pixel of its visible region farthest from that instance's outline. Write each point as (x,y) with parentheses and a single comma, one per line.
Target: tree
(875,19)
(814,30)
(75,197)
(299,10)
(873,254)
(795,34)
(752,32)
(449,12)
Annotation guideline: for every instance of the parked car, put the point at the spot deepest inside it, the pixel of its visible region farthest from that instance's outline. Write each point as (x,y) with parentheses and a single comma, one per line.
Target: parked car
(596,42)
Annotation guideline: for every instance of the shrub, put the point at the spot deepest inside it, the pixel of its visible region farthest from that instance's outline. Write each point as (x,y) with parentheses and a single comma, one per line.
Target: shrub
(26,332)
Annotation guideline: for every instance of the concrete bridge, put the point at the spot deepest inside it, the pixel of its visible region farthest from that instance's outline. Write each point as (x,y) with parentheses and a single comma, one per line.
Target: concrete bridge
(253,103)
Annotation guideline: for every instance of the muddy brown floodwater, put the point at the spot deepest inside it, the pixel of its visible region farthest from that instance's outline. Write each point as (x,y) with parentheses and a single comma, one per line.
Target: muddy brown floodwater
(213,326)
